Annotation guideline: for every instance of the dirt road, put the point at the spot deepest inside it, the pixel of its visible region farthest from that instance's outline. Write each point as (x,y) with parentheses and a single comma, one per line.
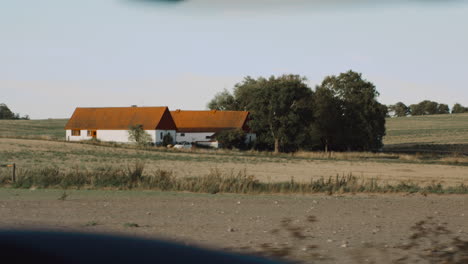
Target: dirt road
(349,229)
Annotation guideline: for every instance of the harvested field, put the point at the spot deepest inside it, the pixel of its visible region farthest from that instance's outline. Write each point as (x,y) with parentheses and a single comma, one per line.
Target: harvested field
(345,229)
(432,133)
(387,169)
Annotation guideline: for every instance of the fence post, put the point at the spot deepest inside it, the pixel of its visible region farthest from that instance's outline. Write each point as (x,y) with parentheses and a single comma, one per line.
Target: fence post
(13,176)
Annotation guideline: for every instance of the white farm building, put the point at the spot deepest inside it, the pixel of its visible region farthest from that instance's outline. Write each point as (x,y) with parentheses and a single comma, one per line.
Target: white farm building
(201,126)
(113,123)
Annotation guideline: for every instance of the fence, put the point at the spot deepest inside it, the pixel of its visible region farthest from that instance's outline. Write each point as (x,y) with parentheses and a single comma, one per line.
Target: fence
(13,173)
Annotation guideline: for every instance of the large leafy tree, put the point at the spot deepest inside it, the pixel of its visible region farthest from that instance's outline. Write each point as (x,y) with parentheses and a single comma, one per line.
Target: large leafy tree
(6,113)
(281,109)
(458,108)
(360,118)
(241,98)
(223,101)
(427,107)
(400,109)
(443,109)
(328,118)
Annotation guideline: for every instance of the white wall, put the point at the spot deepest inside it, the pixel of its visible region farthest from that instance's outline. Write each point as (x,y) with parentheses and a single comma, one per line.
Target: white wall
(159,138)
(122,136)
(192,136)
(201,136)
(82,136)
(117,135)
(113,135)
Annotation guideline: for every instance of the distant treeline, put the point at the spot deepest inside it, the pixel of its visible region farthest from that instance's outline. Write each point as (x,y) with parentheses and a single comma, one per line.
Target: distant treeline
(287,115)
(425,107)
(6,113)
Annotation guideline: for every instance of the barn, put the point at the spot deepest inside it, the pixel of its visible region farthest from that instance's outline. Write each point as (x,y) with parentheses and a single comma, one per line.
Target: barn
(201,126)
(113,123)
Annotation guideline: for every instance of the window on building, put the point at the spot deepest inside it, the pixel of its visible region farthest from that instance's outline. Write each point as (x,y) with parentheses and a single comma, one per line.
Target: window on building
(207,137)
(161,135)
(92,133)
(76,132)
(182,134)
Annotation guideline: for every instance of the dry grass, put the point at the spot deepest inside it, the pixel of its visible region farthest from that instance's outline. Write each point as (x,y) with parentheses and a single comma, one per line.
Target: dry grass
(214,182)
(422,169)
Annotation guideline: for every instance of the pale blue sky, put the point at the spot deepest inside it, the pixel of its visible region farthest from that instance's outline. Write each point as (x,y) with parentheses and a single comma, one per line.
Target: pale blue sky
(56,55)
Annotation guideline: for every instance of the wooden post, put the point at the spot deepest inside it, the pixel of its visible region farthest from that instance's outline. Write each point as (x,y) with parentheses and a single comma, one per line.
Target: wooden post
(13,176)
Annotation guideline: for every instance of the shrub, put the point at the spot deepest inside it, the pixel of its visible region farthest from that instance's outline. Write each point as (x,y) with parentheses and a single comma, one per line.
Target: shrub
(138,135)
(234,138)
(167,140)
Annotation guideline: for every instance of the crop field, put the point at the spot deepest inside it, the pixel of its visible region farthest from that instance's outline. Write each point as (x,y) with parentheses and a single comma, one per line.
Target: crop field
(49,129)
(446,133)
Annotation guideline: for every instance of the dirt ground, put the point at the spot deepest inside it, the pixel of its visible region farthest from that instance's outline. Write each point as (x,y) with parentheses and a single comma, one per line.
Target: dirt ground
(349,229)
(36,153)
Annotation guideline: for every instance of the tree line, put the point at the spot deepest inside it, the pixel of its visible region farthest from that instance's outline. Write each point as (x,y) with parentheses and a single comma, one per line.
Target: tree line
(342,113)
(6,113)
(425,107)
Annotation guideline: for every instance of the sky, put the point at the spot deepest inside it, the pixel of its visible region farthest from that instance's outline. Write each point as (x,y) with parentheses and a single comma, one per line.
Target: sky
(56,55)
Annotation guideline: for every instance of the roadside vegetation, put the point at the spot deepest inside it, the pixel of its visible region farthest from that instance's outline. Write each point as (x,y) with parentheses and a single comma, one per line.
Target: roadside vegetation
(135,177)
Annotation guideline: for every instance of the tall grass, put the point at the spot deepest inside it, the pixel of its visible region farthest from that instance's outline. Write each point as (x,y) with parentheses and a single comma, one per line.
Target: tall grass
(135,177)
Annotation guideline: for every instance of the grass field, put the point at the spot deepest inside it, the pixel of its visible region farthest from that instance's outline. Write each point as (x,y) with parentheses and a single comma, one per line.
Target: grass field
(51,129)
(428,133)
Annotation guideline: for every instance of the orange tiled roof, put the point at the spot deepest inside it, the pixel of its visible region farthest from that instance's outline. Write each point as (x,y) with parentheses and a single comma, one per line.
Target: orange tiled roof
(209,121)
(121,118)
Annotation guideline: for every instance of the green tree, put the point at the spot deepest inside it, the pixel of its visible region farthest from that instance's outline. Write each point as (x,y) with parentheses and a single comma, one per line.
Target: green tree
(443,109)
(416,109)
(234,138)
(458,109)
(362,117)
(138,135)
(243,93)
(223,101)
(425,107)
(6,113)
(328,118)
(281,110)
(400,109)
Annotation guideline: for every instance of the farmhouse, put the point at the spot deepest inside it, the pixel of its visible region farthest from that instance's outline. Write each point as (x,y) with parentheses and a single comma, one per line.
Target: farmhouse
(201,126)
(112,123)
